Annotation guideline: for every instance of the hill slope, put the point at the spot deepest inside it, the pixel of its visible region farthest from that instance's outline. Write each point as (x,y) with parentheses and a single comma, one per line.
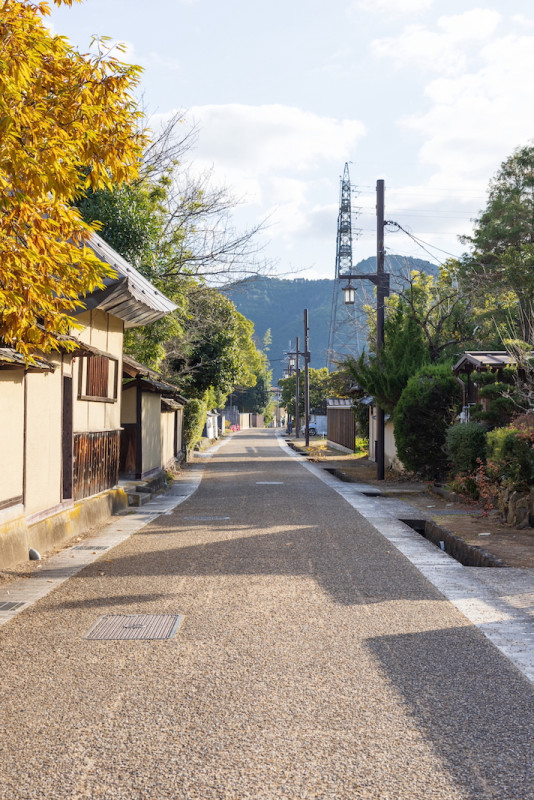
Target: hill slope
(278,304)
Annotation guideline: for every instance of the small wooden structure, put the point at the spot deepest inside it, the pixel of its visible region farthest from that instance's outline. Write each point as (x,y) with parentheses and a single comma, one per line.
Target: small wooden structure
(341,424)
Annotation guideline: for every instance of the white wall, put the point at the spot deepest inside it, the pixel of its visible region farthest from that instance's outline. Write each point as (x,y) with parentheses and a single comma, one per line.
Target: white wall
(151,431)
(167,436)
(43,439)
(11,434)
(106,333)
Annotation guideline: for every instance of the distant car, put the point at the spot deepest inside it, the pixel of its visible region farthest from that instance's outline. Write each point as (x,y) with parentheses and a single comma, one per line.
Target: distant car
(313,430)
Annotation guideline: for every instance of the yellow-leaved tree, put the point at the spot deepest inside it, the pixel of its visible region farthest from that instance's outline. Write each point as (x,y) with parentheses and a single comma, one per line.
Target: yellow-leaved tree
(68,121)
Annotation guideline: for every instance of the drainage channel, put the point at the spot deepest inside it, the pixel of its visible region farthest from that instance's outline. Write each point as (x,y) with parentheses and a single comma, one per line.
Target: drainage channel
(466,554)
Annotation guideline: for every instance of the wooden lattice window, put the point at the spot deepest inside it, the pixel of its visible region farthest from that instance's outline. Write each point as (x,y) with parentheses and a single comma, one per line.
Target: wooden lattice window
(98,379)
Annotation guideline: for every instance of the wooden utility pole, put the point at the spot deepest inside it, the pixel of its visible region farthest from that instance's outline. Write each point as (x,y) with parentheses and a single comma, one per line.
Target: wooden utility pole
(307,377)
(297,390)
(381,294)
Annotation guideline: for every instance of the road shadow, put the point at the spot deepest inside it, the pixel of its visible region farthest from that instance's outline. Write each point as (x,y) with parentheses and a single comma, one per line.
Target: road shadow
(478,713)
(352,566)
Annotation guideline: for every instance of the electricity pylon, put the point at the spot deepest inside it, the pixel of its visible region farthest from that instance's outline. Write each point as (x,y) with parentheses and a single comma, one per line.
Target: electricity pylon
(347,323)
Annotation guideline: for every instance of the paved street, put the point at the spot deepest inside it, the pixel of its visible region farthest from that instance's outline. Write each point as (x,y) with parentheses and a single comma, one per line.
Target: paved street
(313,661)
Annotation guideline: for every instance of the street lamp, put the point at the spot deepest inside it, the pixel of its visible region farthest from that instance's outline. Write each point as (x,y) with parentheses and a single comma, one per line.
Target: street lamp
(381,281)
(349,292)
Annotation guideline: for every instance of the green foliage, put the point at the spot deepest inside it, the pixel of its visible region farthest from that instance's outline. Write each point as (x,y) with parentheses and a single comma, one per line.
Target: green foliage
(385,375)
(194,419)
(361,445)
(216,349)
(426,408)
(132,219)
(361,413)
(257,398)
(502,258)
(277,303)
(466,443)
(511,449)
(319,386)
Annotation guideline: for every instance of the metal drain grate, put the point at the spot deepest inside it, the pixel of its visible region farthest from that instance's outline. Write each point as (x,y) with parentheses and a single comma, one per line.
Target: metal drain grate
(135,626)
(91,547)
(10,606)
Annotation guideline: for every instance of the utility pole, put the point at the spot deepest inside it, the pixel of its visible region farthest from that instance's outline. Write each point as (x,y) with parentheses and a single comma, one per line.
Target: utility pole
(381,281)
(297,390)
(381,294)
(307,377)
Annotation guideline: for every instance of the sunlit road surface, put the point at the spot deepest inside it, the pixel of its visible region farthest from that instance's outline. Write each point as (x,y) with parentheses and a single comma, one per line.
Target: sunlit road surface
(313,661)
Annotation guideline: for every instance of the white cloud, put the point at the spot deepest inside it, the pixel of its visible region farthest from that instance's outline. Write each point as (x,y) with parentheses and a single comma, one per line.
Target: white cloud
(270,154)
(273,157)
(478,118)
(447,49)
(397,7)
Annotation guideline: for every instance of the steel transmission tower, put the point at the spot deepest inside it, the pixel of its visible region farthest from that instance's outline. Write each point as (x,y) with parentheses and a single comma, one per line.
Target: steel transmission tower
(347,323)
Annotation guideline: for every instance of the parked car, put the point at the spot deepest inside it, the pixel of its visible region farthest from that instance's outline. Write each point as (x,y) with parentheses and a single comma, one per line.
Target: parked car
(313,430)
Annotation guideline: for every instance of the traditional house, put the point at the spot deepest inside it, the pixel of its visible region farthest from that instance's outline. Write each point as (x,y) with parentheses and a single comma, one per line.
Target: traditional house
(152,417)
(473,361)
(61,418)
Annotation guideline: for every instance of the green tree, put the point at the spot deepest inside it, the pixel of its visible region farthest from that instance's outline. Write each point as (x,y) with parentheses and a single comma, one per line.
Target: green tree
(216,349)
(256,398)
(426,408)
(319,385)
(385,375)
(502,257)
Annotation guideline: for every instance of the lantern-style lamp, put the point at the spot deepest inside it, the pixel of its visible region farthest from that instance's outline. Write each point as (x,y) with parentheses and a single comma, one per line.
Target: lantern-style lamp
(349,294)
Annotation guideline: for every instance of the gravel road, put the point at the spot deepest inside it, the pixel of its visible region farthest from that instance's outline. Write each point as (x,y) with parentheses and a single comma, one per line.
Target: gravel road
(313,661)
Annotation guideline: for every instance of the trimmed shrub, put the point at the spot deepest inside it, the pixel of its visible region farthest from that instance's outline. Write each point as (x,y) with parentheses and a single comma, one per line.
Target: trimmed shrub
(426,408)
(194,418)
(466,444)
(511,450)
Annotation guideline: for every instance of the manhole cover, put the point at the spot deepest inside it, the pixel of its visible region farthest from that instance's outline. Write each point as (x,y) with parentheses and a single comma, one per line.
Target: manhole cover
(10,606)
(135,626)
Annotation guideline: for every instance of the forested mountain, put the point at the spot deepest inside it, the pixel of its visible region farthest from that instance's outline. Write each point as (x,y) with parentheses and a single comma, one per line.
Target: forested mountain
(278,305)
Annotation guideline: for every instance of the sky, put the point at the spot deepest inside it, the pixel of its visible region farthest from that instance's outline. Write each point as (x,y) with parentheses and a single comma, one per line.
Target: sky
(430,96)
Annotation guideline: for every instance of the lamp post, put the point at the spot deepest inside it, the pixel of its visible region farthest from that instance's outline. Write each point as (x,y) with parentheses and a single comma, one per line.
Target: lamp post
(306,378)
(381,280)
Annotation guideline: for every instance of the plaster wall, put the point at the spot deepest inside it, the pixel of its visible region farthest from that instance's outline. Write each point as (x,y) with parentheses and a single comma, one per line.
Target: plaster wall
(167,436)
(11,434)
(43,439)
(105,332)
(151,428)
(391,458)
(129,406)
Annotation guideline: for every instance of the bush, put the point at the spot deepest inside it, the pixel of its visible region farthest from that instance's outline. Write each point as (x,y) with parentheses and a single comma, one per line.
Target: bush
(194,419)
(426,408)
(466,444)
(511,450)
(361,414)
